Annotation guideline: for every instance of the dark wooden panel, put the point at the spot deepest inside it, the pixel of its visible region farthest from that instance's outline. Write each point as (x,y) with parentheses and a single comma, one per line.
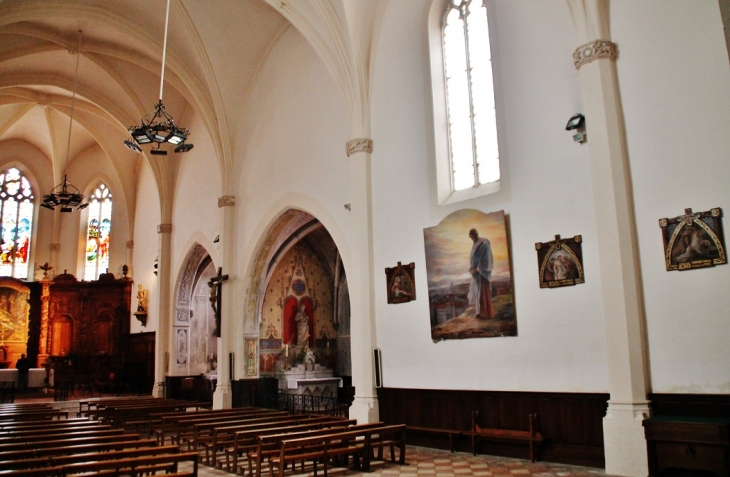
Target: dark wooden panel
(571,422)
(243,391)
(696,405)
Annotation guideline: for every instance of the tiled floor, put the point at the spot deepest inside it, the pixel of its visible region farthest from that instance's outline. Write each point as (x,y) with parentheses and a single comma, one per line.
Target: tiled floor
(423,462)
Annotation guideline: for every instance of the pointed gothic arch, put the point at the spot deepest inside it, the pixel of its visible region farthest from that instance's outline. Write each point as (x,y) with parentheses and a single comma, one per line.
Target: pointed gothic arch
(194,320)
(298,265)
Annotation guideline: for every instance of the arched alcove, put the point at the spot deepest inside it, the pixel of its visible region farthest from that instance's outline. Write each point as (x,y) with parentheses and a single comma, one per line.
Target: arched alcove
(299,272)
(196,346)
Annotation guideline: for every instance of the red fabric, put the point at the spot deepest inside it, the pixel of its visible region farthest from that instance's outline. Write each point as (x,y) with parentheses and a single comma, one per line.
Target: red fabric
(485,300)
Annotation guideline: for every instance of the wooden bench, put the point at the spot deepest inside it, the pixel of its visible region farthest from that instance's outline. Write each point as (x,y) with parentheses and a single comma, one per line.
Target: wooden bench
(358,444)
(33,415)
(39,436)
(182,427)
(73,458)
(268,446)
(62,442)
(76,448)
(191,432)
(452,434)
(531,436)
(241,441)
(131,466)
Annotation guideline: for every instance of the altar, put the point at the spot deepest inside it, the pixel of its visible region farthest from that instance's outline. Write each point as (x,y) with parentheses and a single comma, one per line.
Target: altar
(36,377)
(309,379)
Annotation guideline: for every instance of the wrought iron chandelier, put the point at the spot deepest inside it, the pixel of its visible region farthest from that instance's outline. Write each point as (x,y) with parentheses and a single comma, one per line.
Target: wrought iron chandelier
(65,194)
(160,128)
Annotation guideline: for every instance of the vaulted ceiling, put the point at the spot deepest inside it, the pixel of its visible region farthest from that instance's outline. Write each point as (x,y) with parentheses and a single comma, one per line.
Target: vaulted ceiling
(213,54)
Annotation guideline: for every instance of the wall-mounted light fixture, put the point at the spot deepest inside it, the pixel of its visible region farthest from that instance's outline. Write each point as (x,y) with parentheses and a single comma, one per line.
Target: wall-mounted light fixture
(577,124)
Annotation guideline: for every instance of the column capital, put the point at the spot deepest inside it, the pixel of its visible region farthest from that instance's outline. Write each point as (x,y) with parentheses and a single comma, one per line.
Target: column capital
(164,229)
(595,50)
(359,145)
(55,247)
(226,201)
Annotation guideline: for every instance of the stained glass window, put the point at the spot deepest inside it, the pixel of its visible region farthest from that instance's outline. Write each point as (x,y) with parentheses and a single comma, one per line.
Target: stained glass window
(474,151)
(16,210)
(98,232)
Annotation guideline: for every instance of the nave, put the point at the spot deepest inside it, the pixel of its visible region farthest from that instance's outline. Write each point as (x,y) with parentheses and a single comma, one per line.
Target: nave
(420,461)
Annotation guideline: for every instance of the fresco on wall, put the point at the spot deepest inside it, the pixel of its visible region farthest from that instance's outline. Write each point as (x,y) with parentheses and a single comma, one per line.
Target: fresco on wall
(297,281)
(469,276)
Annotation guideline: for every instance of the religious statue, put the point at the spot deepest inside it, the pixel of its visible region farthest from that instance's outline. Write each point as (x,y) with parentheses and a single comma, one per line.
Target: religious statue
(141,299)
(213,298)
(302,322)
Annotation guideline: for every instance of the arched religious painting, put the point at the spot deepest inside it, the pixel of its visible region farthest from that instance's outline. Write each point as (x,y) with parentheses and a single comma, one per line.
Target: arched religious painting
(304,305)
(470,276)
(14,319)
(196,346)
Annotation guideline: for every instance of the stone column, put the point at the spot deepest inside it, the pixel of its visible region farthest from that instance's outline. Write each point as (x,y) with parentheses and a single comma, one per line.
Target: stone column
(226,342)
(623,307)
(360,281)
(164,325)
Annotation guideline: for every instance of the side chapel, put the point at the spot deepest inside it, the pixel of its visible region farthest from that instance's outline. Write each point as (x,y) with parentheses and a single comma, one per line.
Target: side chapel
(236,244)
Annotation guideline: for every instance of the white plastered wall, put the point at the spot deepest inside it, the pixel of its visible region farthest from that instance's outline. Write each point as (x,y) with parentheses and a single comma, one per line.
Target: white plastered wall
(545,191)
(674,76)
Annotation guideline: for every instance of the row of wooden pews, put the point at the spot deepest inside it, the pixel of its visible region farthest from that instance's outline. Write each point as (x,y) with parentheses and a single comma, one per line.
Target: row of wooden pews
(145,436)
(54,447)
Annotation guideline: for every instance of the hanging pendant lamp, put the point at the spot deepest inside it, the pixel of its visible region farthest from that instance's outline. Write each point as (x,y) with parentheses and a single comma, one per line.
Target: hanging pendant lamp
(160,127)
(65,194)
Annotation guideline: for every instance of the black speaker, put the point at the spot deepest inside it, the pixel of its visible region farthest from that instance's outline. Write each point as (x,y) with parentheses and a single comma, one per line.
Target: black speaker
(230,367)
(378,364)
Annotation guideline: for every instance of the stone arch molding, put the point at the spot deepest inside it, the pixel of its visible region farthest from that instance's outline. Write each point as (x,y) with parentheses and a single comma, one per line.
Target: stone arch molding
(284,225)
(191,264)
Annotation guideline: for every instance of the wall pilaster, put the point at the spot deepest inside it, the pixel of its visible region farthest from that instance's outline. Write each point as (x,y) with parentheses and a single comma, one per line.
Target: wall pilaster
(164,325)
(623,307)
(361,278)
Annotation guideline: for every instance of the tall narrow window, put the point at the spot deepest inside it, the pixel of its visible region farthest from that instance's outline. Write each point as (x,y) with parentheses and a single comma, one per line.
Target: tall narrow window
(16,210)
(99,228)
(472,121)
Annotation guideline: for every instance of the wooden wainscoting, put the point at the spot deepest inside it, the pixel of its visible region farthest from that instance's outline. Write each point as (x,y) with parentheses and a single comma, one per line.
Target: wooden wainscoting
(693,405)
(572,423)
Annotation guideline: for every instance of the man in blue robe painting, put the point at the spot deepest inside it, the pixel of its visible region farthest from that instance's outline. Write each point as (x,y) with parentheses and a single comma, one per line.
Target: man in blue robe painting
(480,267)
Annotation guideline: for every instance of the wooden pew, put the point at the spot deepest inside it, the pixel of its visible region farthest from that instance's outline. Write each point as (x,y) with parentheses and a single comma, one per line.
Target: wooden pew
(531,436)
(131,466)
(35,436)
(162,423)
(60,442)
(49,433)
(246,440)
(70,449)
(269,445)
(237,440)
(10,426)
(33,415)
(358,444)
(187,427)
(60,460)
(320,448)
(202,431)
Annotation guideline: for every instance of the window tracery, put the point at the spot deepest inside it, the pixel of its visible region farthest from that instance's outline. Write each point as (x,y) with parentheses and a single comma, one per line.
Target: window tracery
(98,232)
(16,213)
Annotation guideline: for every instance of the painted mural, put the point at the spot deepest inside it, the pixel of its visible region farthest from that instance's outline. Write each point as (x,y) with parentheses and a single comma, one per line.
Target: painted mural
(298,289)
(469,276)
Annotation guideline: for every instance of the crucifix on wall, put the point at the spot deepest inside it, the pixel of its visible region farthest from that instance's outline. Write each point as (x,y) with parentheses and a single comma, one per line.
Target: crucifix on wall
(215,298)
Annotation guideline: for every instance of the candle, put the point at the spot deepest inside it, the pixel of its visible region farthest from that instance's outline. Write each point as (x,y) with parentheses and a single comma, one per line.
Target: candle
(287,351)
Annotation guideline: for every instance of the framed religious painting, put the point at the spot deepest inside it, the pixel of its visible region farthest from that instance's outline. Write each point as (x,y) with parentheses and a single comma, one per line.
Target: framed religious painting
(401,283)
(560,262)
(693,240)
(469,273)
